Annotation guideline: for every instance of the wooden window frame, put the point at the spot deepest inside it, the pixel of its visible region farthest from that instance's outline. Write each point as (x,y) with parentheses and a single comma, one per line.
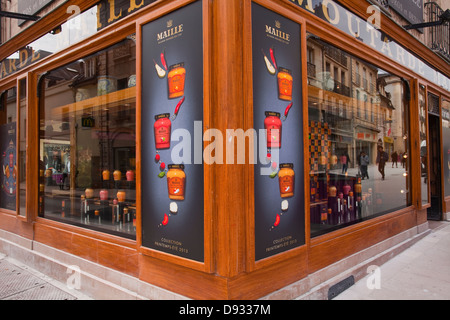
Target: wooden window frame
(299,253)
(8,86)
(422,205)
(19,129)
(445,199)
(207,265)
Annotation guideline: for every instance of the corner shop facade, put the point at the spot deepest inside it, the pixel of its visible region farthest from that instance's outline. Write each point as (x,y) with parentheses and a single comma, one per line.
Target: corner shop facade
(78,115)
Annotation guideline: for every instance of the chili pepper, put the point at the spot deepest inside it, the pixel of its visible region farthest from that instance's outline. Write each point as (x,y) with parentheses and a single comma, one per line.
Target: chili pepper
(277,221)
(162,174)
(166,220)
(177,109)
(286,112)
(272,56)
(163,61)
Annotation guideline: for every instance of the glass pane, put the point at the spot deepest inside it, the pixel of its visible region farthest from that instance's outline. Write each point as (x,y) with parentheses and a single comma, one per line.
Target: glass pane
(8,149)
(74,30)
(88,142)
(358,125)
(22,146)
(423,129)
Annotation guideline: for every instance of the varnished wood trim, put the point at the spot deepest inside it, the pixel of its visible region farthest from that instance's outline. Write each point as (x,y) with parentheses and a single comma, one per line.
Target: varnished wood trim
(32,155)
(9,222)
(119,255)
(97,235)
(248,123)
(272,277)
(209,180)
(364,224)
(328,250)
(21,215)
(180,279)
(414,141)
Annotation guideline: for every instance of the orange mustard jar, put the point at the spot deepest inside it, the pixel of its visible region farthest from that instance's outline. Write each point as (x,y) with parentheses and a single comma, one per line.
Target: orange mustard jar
(176,181)
(285,82)
(176,79)
(286,178)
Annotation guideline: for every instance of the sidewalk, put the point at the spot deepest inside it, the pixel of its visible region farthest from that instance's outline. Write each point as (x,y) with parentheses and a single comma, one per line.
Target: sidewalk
(19,282)
(421,272)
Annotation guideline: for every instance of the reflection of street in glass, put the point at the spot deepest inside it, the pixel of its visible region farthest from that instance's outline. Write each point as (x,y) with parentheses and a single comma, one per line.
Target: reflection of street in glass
(392,191)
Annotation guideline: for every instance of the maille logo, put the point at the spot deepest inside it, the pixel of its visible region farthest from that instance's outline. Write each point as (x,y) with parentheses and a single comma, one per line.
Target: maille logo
(276,32)
(170,33)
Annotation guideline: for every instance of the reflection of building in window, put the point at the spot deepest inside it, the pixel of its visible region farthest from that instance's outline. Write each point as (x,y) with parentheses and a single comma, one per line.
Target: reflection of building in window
(88,132)
(353,107)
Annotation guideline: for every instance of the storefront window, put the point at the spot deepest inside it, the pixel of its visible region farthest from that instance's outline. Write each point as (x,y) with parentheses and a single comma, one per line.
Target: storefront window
(8,149)
(446,144)
(358,125)
(423,145)
(76,29)
(22,161)
(88,141)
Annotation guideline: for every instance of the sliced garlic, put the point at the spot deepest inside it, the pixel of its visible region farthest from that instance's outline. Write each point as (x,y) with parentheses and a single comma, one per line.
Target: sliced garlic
(161,72)
(173,207)
(284,205)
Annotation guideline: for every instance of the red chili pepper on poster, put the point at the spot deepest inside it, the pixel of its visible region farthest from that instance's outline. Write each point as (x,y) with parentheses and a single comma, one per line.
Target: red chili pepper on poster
(272,56)
(163,60)
(277,221)
(166,220)
(177,109)
(286,112)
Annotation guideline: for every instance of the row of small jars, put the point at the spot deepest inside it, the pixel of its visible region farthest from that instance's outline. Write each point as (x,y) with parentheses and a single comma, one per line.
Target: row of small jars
(117,175)
(104,194)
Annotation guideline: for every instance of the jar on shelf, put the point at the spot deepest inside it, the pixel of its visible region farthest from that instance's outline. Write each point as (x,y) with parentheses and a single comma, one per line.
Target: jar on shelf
(105,175)
(89,193)
(121,195)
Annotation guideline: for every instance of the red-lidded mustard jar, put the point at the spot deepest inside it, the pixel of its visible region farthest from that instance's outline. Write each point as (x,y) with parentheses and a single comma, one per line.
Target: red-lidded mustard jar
(162,127)
(273,125)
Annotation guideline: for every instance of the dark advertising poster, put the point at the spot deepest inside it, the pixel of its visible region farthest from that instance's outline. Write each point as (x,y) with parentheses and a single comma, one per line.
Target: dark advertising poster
(8,172)
(277,109)
(172,115)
